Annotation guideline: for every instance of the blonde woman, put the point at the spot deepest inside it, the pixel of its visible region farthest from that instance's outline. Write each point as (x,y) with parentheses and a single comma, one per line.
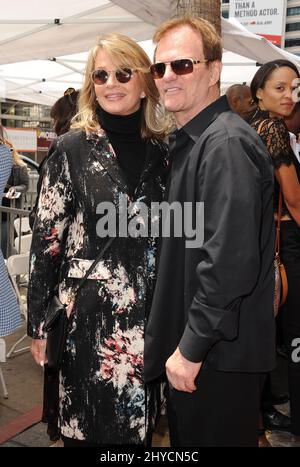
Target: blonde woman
(114,151)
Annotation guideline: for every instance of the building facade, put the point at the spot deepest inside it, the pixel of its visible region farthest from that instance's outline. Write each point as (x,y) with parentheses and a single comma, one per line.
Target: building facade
(24,115)
(292,26)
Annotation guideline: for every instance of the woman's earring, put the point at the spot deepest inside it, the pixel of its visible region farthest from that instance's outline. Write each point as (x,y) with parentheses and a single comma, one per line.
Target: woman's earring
(143,95)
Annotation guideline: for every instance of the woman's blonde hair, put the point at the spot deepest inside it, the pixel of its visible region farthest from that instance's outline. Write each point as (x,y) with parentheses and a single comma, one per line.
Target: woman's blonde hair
(125,53)
(3,139)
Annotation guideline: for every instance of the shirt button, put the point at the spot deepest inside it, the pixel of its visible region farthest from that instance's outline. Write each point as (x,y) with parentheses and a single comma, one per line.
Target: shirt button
(140,269)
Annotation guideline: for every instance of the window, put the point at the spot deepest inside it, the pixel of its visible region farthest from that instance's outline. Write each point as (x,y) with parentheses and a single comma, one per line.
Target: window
(23,114)
(293,11)
(225,14)
(292,27)
(292,43)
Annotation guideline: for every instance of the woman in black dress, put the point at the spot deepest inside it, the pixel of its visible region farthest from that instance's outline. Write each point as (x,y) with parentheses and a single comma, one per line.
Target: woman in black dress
(274,88)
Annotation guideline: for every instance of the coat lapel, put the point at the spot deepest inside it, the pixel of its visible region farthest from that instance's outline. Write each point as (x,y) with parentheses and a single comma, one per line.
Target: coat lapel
(155,156)
(103,152)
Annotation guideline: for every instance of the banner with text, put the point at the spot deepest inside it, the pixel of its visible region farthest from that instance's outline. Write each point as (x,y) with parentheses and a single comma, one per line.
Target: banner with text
(265,18)
(23,140)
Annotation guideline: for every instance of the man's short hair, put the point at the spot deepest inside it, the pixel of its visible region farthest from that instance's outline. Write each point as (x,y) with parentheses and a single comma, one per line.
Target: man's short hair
(212,42)
(237,90)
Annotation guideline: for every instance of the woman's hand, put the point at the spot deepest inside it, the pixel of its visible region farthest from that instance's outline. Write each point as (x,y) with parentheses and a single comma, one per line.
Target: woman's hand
(38,351)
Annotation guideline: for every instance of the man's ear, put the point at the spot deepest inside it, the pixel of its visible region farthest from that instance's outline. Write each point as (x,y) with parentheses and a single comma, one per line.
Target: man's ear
(215,69)
(235,102)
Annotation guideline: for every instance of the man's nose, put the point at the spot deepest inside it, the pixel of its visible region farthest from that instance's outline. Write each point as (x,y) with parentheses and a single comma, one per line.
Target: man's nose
(169,73)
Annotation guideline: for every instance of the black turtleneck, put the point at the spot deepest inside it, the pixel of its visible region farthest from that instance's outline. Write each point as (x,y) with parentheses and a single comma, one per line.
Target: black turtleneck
(124,134)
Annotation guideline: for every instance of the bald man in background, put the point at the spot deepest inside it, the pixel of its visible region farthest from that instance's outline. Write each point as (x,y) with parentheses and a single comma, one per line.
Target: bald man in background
(240,100)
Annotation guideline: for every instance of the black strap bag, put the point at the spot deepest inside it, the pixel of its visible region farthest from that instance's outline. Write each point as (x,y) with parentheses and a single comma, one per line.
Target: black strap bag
(56,322)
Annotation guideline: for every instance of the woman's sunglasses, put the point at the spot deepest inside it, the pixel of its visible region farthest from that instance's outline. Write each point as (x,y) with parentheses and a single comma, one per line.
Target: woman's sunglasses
(123,75)
(182,66)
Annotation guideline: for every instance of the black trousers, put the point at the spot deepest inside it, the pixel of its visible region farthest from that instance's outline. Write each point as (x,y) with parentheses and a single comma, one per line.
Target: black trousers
(290,256)
(223,411)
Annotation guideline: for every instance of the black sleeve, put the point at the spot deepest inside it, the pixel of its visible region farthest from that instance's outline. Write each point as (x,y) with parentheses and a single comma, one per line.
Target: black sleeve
(276,137)
(23,180)
(42,165)
(230,187)
(53,214)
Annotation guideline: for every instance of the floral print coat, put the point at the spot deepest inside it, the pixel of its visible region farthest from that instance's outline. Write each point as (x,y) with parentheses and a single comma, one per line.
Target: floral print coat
(102,395)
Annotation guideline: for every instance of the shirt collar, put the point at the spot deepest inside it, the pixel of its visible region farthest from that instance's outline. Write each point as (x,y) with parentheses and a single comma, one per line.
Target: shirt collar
(195,127)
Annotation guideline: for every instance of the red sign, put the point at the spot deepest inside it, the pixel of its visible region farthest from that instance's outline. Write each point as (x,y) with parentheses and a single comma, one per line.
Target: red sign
(276,40)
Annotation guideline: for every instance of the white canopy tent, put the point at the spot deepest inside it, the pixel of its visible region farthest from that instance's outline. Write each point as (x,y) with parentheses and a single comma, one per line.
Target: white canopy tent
(37,38)
(33,29)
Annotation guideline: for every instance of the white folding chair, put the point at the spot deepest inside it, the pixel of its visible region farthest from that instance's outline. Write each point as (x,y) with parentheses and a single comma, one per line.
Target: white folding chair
(23,243)
(2,360)
(18,265)
(22,226)
(4,388)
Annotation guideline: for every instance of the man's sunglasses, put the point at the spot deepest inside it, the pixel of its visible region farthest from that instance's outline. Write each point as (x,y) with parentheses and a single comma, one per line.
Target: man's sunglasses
(123,75)
(182,66)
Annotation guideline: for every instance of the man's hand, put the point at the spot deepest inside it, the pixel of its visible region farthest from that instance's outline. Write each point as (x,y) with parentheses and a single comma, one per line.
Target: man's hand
(38,351)
(181,372)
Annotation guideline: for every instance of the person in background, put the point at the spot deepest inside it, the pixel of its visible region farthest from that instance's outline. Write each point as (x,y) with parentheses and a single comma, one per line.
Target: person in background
(64,110)
(274,91)
(293,124)
(115,150)
(10,315)
(240,100)
(211,324)
(18,182)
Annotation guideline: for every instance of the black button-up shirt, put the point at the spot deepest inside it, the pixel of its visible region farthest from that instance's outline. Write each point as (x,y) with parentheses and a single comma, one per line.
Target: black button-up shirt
(215,301)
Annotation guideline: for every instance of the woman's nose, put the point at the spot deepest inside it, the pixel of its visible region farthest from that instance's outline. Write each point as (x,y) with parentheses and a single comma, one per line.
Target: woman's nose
(111,80)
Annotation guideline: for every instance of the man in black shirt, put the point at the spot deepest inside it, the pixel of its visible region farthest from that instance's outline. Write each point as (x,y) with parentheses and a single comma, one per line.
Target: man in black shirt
(211,323)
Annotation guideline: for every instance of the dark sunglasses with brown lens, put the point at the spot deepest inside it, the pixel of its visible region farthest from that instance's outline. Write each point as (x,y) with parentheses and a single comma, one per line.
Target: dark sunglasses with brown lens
(123,75)
(181,66)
